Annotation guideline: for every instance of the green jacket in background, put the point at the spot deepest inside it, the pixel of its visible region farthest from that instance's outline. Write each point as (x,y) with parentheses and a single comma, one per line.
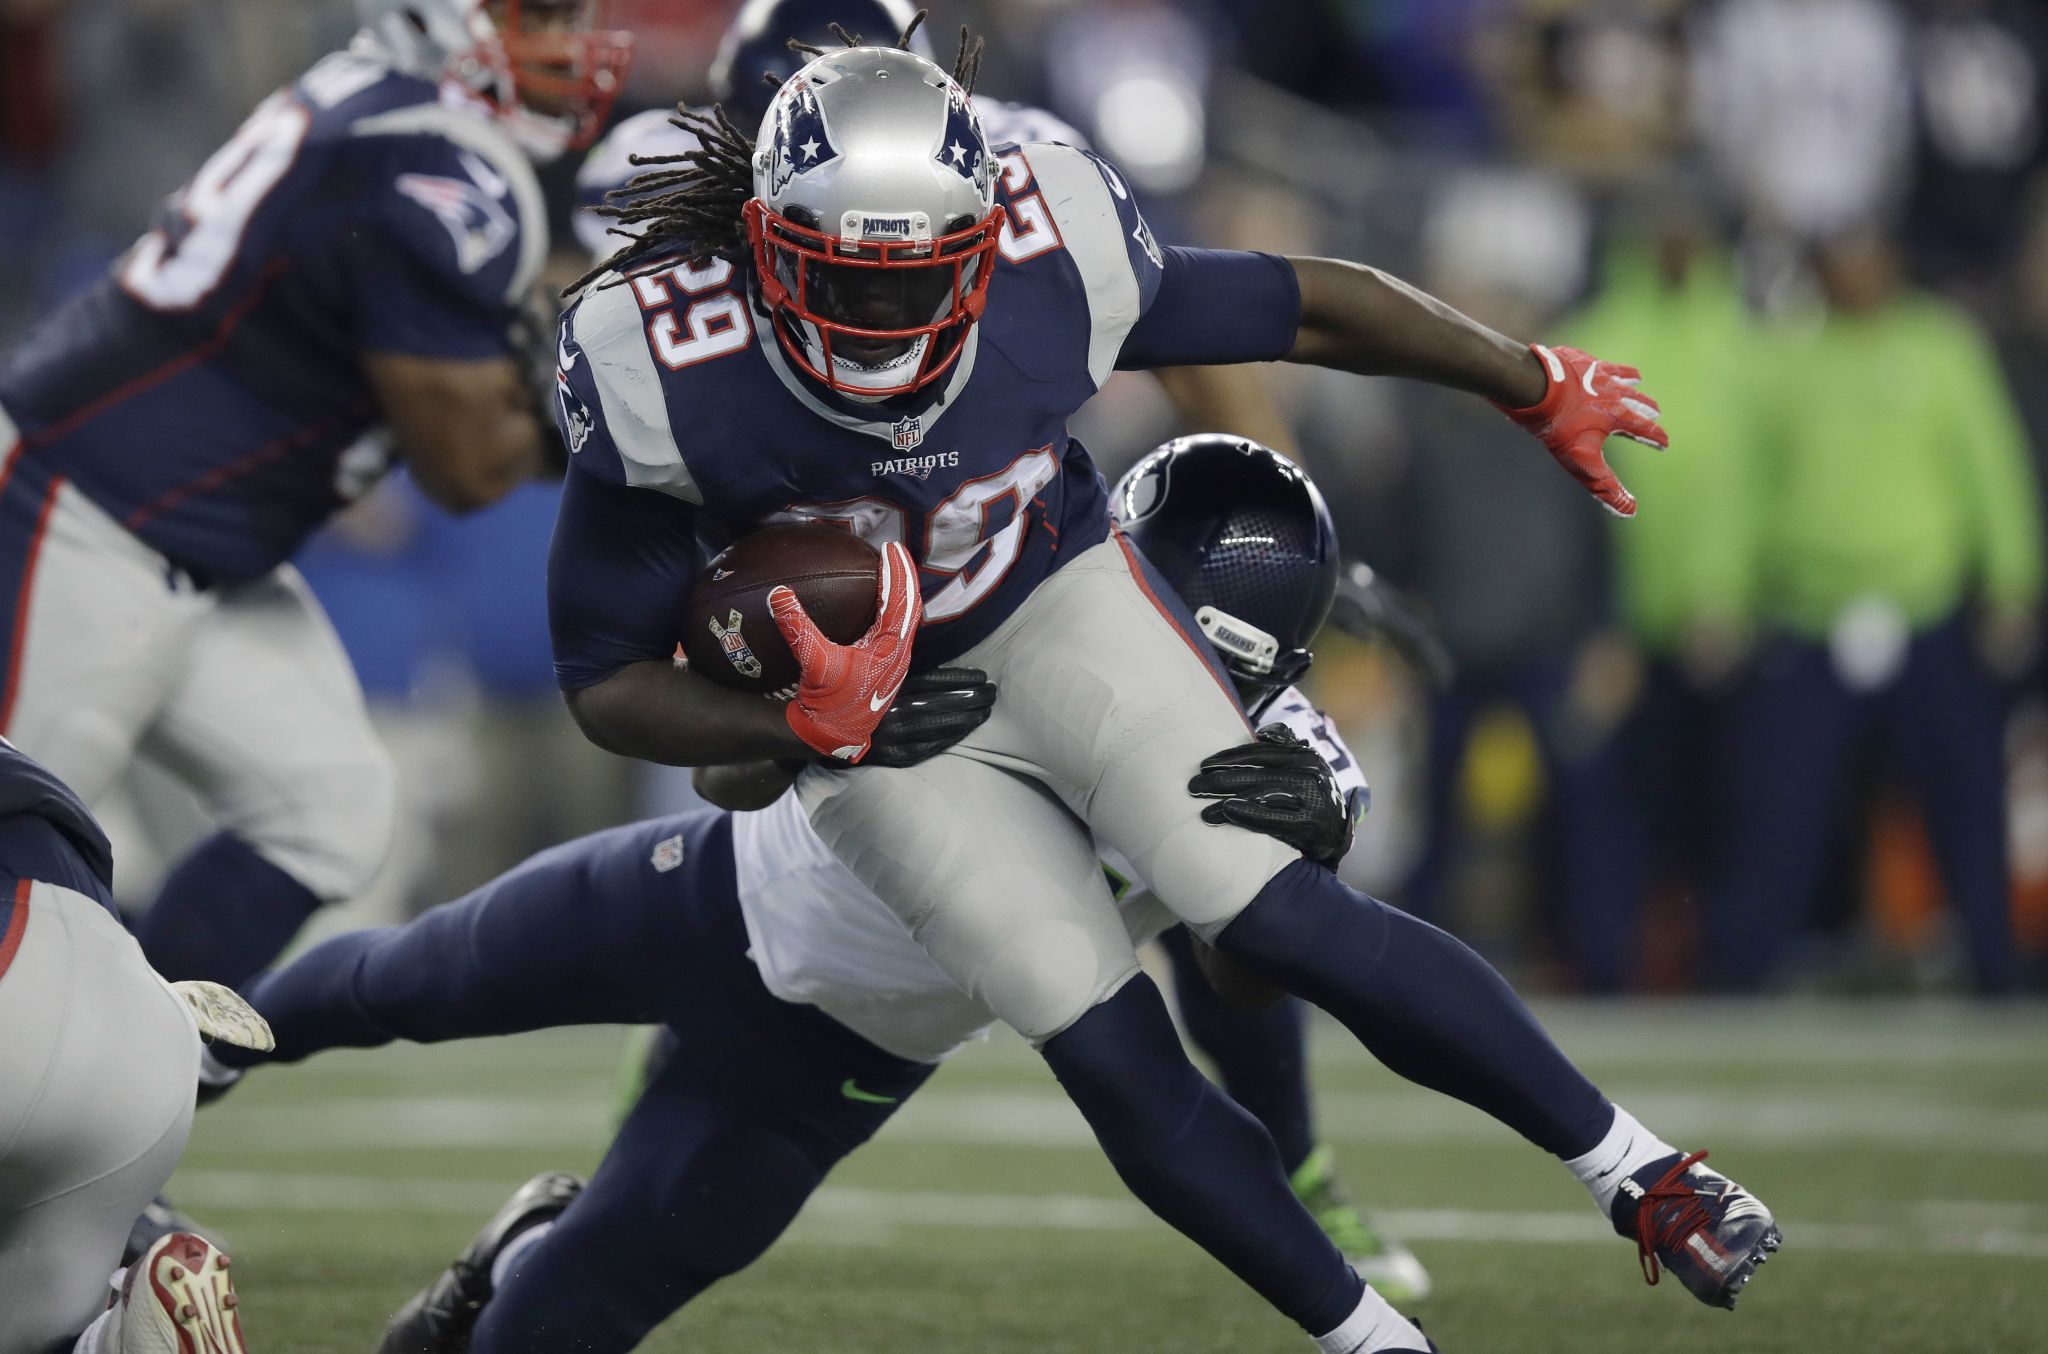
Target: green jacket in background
(1894,466)
(1690,552)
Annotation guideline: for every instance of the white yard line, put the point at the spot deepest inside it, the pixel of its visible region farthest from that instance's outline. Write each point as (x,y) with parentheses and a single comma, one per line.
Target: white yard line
(1902,1116)
(295,1193)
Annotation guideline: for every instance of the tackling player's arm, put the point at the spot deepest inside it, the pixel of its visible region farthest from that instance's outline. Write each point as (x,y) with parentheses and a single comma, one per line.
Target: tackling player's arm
(466,427)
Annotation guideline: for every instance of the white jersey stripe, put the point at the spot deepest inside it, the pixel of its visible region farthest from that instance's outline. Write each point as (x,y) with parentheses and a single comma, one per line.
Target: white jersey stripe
(1080,202)
(608,329)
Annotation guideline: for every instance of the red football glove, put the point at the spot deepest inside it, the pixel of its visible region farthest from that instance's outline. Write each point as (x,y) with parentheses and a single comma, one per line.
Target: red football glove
(847,688)
(1589,400)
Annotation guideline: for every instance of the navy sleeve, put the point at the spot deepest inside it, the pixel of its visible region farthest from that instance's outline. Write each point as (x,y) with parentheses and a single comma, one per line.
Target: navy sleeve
(619,573)
(32,847)
(1213,307)
(436,265)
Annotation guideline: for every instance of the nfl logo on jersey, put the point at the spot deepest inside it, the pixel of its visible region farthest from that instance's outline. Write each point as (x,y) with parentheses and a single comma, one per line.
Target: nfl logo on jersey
(668,854)
(907,433)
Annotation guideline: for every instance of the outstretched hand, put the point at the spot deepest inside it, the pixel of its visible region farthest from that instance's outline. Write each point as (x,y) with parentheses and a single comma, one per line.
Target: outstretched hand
(1587,402)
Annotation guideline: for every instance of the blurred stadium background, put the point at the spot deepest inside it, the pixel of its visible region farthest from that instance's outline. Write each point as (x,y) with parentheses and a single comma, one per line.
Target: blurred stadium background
(1788,730)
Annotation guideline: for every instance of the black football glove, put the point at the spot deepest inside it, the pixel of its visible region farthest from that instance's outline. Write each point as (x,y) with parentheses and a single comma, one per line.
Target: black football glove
(933,711)
(1279,786)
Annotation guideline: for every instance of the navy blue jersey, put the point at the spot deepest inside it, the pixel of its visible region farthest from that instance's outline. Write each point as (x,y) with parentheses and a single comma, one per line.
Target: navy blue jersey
(47,833)
(688,425)
(208,392)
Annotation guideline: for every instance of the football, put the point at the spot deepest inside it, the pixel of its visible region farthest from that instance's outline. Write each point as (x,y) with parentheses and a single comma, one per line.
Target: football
(731,638)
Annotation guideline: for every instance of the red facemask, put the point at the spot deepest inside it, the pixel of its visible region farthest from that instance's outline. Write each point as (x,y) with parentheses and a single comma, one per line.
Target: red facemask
(554,68)
(871,301)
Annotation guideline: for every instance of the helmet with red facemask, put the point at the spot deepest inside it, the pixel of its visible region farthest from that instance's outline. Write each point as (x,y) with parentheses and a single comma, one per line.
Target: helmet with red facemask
(543,67)
(873,220)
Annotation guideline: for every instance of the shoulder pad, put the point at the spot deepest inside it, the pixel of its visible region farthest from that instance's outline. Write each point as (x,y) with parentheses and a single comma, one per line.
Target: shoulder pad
(459,146)
(608,379)
(1106,237)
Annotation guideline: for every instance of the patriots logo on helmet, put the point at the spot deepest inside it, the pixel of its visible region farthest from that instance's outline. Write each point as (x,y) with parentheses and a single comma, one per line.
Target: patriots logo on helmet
(478,224)
(802,142)
(964,149)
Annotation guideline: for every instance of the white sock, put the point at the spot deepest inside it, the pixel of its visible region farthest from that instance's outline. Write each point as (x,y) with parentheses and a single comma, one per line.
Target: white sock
(1627,1148)
(215,1074)
(1374,1325)
(515,1250)
(102,1336)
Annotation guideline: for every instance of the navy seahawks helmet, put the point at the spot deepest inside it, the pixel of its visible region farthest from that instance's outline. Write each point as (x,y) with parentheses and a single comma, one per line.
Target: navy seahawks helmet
(1243,535)
(757,44)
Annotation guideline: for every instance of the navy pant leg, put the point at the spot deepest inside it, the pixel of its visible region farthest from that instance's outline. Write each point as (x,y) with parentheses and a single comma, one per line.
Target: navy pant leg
(1793,729)
(1260,1057)
(580,934)
(1196,1159)
(1422,1001)
(691,1191)
(1945,721)
(759,1101)
(223,913)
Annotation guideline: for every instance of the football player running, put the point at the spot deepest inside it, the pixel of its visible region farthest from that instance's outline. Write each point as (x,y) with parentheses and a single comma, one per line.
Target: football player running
(341,285)
(803,1012)
(873,317)
(1260,1057)
(83,1011)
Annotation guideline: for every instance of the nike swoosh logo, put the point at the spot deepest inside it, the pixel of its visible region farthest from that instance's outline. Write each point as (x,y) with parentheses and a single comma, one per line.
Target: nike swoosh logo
(1587,379)
(564,359)
(877,703)
(853,1092)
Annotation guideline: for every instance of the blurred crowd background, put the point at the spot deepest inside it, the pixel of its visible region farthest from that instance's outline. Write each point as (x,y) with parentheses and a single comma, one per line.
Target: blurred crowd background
(1786,729)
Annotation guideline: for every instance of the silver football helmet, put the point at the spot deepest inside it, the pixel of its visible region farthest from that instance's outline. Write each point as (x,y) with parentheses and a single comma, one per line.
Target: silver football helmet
(546,72)
(873,220)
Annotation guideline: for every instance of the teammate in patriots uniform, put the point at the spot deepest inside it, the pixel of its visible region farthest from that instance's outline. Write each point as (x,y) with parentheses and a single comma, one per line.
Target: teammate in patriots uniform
(83,1010)
(339,286)
(873,277)
(803,1011)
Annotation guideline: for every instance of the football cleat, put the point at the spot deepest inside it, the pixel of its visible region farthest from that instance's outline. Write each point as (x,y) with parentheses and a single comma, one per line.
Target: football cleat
(178,1299)
(1703,1227)
(440,1317)
(159,1219)
(1379,1259)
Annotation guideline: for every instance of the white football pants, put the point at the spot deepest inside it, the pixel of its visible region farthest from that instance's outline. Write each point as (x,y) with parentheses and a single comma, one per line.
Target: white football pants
(243,693)
(98,1063)
(1106,710)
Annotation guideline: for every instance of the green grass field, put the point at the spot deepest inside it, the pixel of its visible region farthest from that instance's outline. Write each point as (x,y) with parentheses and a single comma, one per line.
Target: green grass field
(1904,1147)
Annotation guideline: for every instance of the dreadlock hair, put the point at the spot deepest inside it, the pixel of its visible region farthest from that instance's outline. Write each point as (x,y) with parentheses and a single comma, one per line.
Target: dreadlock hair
(689,204)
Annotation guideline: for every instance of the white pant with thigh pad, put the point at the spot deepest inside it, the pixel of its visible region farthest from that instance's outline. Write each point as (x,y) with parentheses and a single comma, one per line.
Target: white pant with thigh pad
(244,692)
(1105,704)
(97,1072)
